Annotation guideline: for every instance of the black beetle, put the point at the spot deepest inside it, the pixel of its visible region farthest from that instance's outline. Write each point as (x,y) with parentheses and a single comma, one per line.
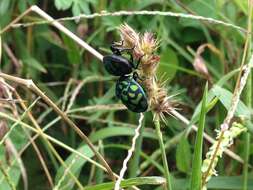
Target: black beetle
(118,65)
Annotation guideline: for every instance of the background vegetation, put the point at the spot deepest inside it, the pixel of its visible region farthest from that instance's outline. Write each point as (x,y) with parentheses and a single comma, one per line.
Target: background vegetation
(58,65)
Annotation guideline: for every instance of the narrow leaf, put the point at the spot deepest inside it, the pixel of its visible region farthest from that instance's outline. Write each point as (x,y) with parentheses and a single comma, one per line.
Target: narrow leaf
(183,151)
(197,157)
(129,182)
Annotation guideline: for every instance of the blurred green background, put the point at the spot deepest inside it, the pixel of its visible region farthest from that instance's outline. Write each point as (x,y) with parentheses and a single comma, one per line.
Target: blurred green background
(57,65)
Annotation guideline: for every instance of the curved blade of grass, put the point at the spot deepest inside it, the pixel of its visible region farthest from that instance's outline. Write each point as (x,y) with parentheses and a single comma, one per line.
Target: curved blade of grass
(118,131)
(197,157)
(154,180)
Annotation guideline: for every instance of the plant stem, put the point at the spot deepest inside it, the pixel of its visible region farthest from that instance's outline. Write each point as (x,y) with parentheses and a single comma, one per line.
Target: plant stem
(164,158)
(246,160)
(248,102)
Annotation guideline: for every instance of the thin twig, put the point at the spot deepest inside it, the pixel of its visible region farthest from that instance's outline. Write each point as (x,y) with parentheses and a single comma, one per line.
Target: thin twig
(131,13)
(59,26)
(248,102)
(108,107)
(11,55)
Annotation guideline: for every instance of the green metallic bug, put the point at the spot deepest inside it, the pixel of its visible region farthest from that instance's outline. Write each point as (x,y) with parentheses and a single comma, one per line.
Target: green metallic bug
(131,94)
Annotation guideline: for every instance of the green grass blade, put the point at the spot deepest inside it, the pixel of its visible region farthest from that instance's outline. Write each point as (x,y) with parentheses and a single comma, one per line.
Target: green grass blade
(197,157)
(129,182)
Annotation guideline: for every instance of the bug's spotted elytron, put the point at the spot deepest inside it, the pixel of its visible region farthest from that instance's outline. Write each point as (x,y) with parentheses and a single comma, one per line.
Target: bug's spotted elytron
(131,94)
(118,65)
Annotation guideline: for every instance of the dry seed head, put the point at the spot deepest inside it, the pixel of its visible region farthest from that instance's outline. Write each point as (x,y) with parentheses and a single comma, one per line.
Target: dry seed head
(145,47)
(148,46)
(130,39)
(149,43)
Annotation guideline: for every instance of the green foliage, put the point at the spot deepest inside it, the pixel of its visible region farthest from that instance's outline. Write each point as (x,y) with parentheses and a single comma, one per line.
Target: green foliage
(183,156)
(196,175)
(78,6)
(58,66)
(168,65)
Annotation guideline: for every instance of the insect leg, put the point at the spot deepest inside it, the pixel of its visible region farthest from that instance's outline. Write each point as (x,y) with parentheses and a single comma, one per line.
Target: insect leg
(118,48)
(136,76)
(138,62)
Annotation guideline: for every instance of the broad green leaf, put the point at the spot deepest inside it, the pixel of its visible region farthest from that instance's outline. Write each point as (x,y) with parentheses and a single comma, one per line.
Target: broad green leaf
(118,131)
(80,7)
(196,176)
(183,155)
(165,71)
(63,4)
(129,182)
